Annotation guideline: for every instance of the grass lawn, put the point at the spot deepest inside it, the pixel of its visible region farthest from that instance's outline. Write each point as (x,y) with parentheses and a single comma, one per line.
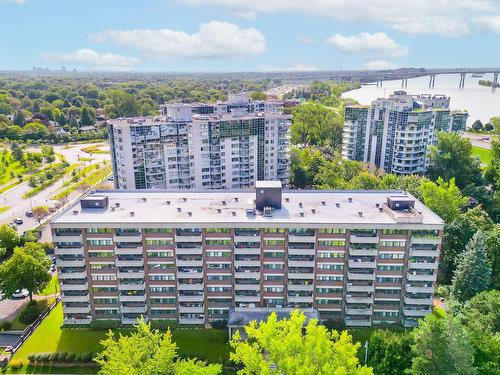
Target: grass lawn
(207,344)
(95,149)
(483,153)
(4,208)
(42,304)
(51,286)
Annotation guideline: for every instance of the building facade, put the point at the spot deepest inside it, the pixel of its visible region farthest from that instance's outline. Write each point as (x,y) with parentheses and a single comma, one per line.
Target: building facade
(394,133)
(224,146)
(359,257)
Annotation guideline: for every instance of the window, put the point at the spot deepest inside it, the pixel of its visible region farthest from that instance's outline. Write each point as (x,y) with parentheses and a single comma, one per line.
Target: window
(331,243)
(159,230)
(332,230)
(100,242)
(99,230)
(159,242)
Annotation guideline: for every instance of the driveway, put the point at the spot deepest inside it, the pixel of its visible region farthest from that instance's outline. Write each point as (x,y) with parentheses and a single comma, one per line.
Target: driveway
(10,307)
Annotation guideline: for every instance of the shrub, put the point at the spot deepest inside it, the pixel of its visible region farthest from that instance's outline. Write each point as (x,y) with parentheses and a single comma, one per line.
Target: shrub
(5,325)
(30,313)
(333,324)
(70,357)
(78,357)
(164,325)
(53,356)
(86,357)
(105,324)
(44,357)
(62,357)
(219,324)
(32,357)
(16,364)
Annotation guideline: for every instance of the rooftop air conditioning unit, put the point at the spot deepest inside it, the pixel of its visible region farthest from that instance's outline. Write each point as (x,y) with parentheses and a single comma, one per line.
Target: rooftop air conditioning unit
(337,205)
(144,199)
(132,213)
(268,212)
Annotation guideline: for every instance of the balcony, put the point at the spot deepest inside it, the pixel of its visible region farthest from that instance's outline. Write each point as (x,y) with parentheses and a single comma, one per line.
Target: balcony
(84,298)
(410,323)
(191,275)
(350,299)
(254,287)
(188,251)
(358,323)
(188,238)
(72,275)
(247,251)
(300,299)
(418,301)
(134,286)
(250,239)
(300,263)
(424,253)
(69,251)
(247,263)
(128,251)
(363,252)
(301,288)
(416,277)
(363,239)
(358,311)
(131,275)
(71,321)
(250,299)
(190,286)
(198,321)
(189,263)
(426,240)
(356,264)
(64,286)
(133,298)
(301,276)
(361,276)
(133,309)
(304,238)
(419,289)
(130,263)
(197,298)
(67,238)
(301,251)
(130,321)
(423,265)
(70,263)
(191,309)
(360,288)
(419,313)
(247,275)
(76,310)
(128,238)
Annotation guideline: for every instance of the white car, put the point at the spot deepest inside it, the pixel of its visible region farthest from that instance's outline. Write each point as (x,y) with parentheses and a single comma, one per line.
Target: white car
(21,293)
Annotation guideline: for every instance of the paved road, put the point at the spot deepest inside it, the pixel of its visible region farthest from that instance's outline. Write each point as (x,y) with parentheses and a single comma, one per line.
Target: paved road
(13,197)
(477,139)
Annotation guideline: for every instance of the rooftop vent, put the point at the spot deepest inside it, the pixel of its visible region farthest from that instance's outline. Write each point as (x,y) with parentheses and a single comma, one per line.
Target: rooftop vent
(184,199)
(313,210)
(287,199)
(377,205)
(113,208)
(301,214)
(132,213)
(349,199)
(168,203)
(179,209)
(234,213)
(94,201)
(250,212)
(144,199)
(268,194)
(223,203)
(360,213)
(219,211)
(75,212)
(236,199)
(190,213)
(267,212)
(323,203)
(337,204)
(381,209)
(400,202)
(117,204)
(300,204)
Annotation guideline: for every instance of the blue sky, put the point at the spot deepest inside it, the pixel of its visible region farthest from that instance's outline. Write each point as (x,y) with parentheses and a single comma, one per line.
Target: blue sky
(243,35)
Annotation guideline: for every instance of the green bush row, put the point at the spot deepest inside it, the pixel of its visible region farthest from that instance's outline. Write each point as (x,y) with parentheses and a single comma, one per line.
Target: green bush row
(61,357)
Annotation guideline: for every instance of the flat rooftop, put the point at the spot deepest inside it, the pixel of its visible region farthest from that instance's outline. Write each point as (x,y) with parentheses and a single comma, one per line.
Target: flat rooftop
(229,208)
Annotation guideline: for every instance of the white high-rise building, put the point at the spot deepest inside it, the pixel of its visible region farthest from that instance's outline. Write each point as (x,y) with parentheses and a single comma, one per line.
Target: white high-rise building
(394,133)
(228,145)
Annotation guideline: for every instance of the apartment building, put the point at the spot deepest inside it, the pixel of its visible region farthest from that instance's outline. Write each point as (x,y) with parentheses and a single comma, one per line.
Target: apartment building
(394,133)
(225,146)
(360,257)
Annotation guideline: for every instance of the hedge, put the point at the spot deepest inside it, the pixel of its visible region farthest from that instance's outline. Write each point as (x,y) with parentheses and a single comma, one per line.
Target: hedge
(61,357)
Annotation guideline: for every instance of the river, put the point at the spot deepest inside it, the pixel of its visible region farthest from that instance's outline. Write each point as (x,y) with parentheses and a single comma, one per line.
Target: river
(480,101)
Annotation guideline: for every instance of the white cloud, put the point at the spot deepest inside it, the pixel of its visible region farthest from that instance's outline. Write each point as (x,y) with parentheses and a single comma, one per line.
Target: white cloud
(377,44)
(213,39)
(306,39)
(444,17)
(93,60)
(379,65)
(297,67)
(489,23)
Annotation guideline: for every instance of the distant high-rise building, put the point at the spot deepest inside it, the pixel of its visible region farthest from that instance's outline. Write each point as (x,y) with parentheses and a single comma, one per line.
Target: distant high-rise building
(228,145)
(394,133)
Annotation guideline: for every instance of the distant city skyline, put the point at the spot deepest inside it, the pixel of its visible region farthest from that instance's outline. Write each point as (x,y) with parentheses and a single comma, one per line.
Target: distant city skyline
(235,35)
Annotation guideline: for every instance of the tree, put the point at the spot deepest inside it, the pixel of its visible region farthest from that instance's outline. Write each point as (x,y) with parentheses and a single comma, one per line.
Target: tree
(281,347)
(40,212)
(17,152)
(88,117)
(473,272)
(477,125)
(389,353)
(258,95)
(481,316)
(444,198)
(147,351)
(9,239)
(452,158)
(121,104)
(27,268)
(488,127)
(492,239)
(19,118)
(441,346)
(35,130)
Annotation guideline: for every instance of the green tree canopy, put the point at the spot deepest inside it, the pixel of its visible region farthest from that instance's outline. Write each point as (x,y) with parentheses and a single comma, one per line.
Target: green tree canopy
(281,347)
(147,351)
(27,268)
(389,353)
(444,198)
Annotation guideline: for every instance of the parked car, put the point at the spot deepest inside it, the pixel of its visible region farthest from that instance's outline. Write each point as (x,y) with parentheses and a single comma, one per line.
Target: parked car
(13,225)
(29,214)
(18,221)
(485,139)
(53,268)
(20,293)
(9,349)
